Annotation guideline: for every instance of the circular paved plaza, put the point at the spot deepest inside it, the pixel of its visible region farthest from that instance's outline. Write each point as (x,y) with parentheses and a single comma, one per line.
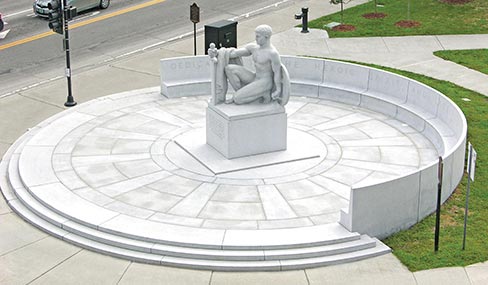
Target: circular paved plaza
(120,153)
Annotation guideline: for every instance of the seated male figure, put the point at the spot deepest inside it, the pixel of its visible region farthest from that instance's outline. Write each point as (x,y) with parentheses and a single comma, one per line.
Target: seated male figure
(265,83)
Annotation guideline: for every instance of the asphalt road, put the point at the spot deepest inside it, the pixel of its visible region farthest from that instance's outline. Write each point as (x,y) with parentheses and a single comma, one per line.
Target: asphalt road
(23,23)
(30,54)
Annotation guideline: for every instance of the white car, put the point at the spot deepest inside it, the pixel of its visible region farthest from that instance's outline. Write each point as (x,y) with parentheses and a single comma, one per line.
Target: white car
(41,6)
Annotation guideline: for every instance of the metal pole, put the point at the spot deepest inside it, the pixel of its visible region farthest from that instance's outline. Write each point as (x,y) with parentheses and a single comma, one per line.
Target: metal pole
(438,209)
(467,195)
(342,12)
(305,20)
(195,38)
(69,101)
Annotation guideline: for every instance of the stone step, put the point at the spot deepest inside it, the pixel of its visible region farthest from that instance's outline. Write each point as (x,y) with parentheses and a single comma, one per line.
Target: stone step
(167,234)
(241,252)
(34,205)
(363,242)
(193,263)
(295,264)
(160,233)
(178,251)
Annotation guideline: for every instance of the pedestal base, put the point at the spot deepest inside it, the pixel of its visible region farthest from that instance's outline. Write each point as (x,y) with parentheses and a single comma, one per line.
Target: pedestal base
(244,130)
(301,147)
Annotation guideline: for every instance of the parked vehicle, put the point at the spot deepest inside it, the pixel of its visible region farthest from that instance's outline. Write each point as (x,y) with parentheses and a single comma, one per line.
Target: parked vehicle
(1,23)
(41,6)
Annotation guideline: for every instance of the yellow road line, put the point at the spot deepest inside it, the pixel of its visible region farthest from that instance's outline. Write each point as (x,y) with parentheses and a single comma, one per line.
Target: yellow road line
(26,40)
(83,23)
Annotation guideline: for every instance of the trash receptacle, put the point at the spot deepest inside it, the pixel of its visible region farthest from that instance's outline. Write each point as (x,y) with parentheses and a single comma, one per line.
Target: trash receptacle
(222,34)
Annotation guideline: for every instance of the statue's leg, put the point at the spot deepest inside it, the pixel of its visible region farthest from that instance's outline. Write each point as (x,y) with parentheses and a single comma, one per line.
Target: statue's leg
(238,76)
(253,91)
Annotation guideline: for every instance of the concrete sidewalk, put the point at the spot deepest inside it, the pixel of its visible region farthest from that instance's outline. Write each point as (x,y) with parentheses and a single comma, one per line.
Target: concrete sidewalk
(413,53)
(28,255)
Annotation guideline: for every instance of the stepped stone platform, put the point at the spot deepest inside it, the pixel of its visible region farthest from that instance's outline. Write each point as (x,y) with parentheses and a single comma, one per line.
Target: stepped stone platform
(108,175)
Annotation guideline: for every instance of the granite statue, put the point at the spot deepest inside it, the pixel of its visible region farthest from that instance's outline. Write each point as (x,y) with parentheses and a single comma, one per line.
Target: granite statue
(270,82)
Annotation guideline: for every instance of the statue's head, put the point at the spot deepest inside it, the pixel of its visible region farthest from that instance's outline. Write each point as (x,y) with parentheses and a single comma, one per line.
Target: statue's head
(263,34)
(264,30)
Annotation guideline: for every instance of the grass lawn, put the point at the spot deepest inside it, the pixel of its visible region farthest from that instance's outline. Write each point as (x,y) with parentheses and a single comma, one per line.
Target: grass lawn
(415,246)
(434,16)
(476,59)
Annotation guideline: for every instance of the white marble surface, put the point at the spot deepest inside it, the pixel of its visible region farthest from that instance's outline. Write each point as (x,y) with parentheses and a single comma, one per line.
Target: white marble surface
(187,76)
(301,146)
(126,163)
(118,160)
(305,75)
(387,85)
(123,158)
(240,131)
(37,173)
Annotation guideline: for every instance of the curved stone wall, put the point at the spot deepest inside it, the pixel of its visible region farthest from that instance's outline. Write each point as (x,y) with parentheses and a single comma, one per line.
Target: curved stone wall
(387,207)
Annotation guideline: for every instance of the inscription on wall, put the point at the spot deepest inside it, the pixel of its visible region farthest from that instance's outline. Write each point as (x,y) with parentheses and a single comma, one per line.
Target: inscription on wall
(190,64)
(304,68)
(300,64)
(339,70)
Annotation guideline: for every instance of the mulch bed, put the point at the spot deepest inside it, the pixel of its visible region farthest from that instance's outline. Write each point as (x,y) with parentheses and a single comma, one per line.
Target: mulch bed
(407,24)
(344,28)
(458,2)
(374,15)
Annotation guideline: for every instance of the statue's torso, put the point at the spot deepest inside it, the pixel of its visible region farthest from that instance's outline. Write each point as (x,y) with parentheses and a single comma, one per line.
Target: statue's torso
(262,61)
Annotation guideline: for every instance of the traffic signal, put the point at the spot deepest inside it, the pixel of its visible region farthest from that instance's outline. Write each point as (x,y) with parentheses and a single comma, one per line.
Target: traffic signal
(56,21)
(71,12)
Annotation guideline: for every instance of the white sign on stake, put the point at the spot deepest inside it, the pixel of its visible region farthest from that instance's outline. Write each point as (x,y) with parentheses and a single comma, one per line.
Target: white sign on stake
(471,161)
(471,169)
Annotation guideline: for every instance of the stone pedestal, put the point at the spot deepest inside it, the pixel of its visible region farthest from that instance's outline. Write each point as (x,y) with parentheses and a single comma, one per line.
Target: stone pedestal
(245,130)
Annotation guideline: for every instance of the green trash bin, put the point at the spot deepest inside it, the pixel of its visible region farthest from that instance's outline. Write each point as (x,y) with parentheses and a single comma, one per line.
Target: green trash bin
(222,34)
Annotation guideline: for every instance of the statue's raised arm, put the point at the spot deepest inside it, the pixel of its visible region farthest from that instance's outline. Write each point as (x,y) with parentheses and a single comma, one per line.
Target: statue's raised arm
(241,52)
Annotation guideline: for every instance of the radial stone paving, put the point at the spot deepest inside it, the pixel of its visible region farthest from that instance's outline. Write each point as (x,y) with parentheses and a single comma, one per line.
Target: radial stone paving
(121,154)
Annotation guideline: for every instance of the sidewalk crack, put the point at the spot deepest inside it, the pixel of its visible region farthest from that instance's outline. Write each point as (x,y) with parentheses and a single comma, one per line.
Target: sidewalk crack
(55,266)
(123,273)
(41,101)
(440,43)
(133,70)
(25,245)
(387,48)
(306,276)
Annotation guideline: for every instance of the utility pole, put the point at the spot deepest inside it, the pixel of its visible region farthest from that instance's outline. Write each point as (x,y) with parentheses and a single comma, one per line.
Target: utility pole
(59,17)
(70,102)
